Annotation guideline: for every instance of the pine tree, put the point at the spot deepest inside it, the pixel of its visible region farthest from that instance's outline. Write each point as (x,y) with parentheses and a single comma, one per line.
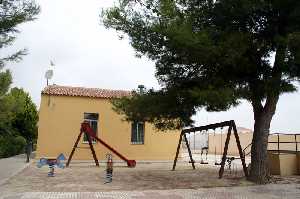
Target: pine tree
(12,14)
(212,54)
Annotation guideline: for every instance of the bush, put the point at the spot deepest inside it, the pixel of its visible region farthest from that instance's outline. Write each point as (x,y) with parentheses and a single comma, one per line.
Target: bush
(10,145)
(20,143)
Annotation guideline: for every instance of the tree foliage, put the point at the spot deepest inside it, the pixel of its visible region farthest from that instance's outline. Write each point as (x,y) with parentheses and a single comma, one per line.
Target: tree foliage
(10,145)
(211,54)
(19,117)
(18,114)
(25,115)
(12,14)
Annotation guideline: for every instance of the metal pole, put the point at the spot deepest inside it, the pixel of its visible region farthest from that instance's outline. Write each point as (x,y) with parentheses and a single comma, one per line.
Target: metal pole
(278,143)
(296,143)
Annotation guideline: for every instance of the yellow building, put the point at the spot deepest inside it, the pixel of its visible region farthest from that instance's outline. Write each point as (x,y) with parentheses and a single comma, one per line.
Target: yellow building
(217,142)
(63,109)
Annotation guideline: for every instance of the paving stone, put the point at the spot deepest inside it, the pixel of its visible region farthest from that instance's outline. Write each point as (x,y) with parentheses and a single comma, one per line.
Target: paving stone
(158,195)
(273,191)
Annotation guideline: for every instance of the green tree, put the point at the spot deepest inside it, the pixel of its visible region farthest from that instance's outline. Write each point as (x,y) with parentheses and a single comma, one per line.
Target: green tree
(5,108)
(25,116)
(12,14)
(212,54)
(11,145)
(19,117)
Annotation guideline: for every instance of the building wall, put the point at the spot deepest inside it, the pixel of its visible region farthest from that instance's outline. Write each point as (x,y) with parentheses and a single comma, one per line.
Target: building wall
(59,124)
(284,164)
(246,139)
(217,142)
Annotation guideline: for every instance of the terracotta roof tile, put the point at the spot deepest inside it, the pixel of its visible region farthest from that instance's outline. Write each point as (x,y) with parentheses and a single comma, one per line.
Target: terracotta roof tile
(84,92)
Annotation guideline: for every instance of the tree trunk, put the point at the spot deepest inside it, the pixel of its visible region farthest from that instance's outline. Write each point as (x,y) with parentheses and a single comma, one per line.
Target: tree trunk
(259,171)
(259,167)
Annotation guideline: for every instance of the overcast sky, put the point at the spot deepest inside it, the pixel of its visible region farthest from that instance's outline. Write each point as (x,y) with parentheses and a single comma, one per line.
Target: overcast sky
(86,54)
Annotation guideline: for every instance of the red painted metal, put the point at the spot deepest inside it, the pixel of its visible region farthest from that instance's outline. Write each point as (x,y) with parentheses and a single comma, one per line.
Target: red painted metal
(85,127)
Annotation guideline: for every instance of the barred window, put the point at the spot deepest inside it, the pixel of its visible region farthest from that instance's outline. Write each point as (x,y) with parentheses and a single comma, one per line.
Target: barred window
(92,119)
(137,132)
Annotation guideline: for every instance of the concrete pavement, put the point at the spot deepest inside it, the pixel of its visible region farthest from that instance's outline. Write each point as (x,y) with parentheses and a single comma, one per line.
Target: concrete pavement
(11,166)
(270,191)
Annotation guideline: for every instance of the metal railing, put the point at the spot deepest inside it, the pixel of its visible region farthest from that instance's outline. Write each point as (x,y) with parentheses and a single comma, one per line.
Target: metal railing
(278,142)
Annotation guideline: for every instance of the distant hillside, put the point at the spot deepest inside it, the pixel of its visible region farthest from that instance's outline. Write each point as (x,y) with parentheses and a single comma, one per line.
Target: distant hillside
(244,130)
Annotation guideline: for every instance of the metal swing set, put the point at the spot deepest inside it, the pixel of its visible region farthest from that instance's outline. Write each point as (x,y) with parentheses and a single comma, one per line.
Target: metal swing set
(231,127)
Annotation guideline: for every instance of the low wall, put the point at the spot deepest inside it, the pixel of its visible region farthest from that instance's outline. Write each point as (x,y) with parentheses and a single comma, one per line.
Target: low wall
(283,163)
(298,162)
(217,142)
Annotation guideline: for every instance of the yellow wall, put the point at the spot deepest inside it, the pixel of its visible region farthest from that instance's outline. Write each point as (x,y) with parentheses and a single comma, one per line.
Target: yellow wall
(246,139)
(59,123)
(283,163)
(215,143)
(298,162)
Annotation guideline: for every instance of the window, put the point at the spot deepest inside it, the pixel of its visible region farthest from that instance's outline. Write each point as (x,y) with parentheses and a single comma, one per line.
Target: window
(137,132)
(92,119)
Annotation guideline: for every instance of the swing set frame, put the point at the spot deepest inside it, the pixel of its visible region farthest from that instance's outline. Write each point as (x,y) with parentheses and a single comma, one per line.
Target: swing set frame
(231,127)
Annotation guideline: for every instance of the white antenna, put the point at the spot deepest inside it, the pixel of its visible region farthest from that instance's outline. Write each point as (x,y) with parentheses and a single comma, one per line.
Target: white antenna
(49,73)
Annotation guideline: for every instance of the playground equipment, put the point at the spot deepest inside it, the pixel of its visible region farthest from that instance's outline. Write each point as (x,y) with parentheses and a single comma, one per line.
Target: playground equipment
(221,142)
(52,162)
(216,163)
(109,168)
(231,126)
(89,132)
(199,144)
(206,152)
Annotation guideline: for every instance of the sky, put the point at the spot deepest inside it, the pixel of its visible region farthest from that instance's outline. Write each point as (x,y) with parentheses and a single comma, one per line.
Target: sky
(70,33)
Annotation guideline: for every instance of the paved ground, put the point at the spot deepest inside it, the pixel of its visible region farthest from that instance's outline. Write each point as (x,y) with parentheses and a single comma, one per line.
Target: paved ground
(85,177)
(271,191)
(11,166)
(146,181)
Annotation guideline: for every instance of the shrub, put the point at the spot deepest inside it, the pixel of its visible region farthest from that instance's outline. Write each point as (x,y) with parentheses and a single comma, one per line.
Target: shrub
(10,145)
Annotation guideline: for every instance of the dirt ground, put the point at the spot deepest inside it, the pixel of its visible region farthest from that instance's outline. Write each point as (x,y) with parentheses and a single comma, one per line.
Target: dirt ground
(145,176)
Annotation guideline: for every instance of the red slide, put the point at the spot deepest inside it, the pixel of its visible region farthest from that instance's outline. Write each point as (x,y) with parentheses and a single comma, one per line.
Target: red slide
(85,127)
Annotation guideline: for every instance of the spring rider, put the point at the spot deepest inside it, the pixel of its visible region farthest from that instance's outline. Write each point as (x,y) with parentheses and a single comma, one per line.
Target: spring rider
(52,162)
(109,168)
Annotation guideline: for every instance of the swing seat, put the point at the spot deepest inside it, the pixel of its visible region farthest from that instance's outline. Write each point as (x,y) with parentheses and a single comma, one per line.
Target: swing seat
(202,162)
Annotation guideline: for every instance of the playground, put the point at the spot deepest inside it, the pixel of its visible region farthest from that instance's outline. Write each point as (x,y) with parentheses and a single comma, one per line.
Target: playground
(86,177)
(145,176)
(189,170)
